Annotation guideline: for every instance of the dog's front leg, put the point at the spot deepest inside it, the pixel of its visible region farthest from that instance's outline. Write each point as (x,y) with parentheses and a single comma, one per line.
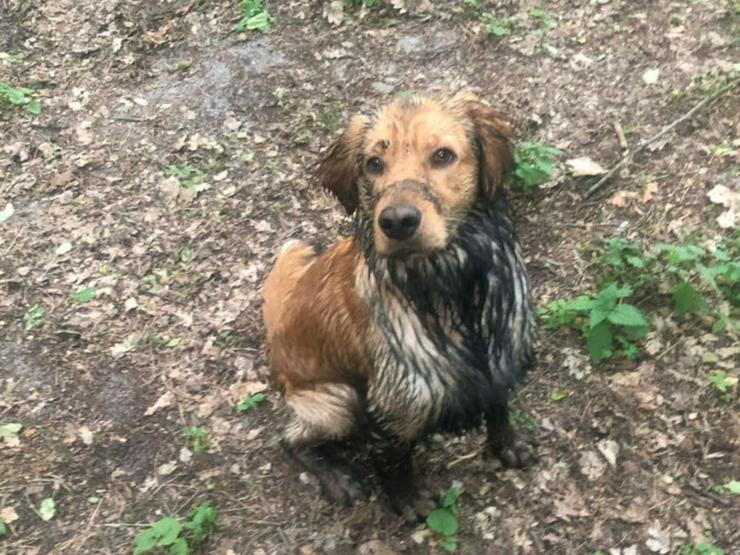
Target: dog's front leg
(393,458)
(502,438)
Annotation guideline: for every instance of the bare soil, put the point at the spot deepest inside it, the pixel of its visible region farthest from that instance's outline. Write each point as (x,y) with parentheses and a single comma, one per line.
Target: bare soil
(173,337)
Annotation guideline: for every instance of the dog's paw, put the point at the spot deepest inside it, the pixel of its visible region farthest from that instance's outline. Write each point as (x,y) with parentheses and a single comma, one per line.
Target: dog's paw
(340,486)
(517,454)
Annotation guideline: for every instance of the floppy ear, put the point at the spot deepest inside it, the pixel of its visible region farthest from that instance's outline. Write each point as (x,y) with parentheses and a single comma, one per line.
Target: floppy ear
(492,135)
(339,170)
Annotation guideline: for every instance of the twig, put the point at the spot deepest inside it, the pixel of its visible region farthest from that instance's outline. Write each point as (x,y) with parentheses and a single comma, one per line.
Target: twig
(643,144)
(620,136)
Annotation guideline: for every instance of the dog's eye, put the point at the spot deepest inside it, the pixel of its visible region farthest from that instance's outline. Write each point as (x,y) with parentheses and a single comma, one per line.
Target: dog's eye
(374,165)
(442,157)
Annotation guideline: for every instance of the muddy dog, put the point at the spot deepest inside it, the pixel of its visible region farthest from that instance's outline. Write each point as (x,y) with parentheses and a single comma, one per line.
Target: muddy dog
(422,321)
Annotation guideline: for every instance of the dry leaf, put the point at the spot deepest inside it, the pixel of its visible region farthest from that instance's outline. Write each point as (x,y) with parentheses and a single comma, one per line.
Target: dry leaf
(584,166)
(610,449)
(8,515)
(164,401)
(240,390)
(620,198)
(591,465)
(650,189)
(86,435)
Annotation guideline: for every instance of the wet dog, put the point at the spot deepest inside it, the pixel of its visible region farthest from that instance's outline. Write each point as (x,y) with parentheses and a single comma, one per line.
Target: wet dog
(422,321)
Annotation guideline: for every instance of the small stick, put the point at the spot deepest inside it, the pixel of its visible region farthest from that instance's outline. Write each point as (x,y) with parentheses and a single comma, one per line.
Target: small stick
(620,135)
(643,144)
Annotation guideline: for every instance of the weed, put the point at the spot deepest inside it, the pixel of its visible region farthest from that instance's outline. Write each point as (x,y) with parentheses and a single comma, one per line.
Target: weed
(534,164)
(499,27)
(722,382)
(443,521)
(358,3)
(251,402)
(331,118)
(21,97)
(700,549)
(188,176)
(544,19)
(200,438)
(604,319)
(254,17)
(84,295)
(170,535)
(34,316)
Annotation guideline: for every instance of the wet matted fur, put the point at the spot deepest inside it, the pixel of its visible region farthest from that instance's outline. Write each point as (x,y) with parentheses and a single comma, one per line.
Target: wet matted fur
(423,319)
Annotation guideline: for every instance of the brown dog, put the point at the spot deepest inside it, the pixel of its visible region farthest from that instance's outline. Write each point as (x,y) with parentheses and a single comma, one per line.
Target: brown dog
(421,321)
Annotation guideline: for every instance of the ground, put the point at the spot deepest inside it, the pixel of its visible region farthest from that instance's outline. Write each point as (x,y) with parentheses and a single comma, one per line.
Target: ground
(103,381)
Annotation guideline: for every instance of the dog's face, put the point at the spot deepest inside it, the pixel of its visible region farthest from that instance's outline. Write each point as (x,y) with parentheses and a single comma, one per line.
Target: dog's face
(417,167)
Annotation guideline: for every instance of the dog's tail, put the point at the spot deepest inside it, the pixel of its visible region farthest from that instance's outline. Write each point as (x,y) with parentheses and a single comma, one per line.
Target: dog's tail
(292,262)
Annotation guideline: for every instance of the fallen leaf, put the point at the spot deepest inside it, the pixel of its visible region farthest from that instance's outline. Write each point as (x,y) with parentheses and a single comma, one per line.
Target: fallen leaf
(591,465)
(164,401)
(86,435)
(64,248)
(610,449)
(650,189)
(6,212)
(8,515)
(240,390)
(584,167)
(620,198)
(651,76)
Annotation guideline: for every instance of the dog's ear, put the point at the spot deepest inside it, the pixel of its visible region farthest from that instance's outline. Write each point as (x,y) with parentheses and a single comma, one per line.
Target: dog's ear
(492,136)
(339,170)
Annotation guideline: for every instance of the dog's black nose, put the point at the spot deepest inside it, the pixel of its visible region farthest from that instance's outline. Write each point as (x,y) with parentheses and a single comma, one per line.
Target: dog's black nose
(400,221)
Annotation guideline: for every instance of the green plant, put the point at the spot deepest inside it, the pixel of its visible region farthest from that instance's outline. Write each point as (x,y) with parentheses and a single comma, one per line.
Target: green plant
(251,402)
(497,26)
(188,176)
(19,96)
(543,18)
(443,520)
(84,295)
(604,319)
(200,438)
(34,316)
(722,382)
(254,17)
(358,3)
(701,549)
(171,536)
(534,164)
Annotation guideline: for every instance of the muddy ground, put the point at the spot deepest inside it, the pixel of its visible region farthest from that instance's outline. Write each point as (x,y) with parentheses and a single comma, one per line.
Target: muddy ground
(104,386)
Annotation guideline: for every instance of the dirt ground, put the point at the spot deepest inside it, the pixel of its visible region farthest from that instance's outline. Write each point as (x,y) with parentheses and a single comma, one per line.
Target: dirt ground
(173,336)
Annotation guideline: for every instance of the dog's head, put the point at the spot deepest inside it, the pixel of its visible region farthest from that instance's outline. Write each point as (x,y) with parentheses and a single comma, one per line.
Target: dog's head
(417,167)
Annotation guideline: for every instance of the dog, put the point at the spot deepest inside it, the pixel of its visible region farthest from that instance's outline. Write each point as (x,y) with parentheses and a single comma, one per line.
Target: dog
(423,320)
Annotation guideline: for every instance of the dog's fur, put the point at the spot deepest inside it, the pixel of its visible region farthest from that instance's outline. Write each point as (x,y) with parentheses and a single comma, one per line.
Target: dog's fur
(401,337)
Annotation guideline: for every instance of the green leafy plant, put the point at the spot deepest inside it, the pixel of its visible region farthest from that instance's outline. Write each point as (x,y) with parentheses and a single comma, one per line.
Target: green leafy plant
(535,164)
(722,382)
(358,3)
(498,27)
(254,17)
(171,536)
(188,176)
(443,520)
(604,319)
(3,528)
(9,430)
(34,316)
(84,295)
(48,508)
(251,402)
(200,438)
(20,97)
(543,18)
(701,549)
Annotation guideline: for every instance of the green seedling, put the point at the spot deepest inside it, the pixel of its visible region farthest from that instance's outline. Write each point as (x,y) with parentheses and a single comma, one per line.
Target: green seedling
(443,520)
(200,438)
(169,535)
(34,316)
(254,17)
(188,176)
(19,97)
(535,164)
(251,402)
